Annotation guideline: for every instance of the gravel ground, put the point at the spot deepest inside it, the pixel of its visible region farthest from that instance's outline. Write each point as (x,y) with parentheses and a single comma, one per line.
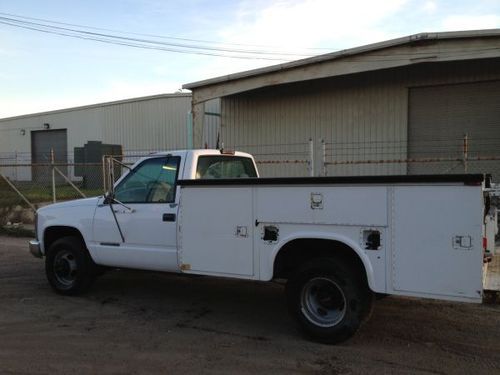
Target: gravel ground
(138,322)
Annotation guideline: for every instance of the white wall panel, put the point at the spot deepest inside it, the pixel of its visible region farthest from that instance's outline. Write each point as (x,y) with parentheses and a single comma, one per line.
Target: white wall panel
(152,123)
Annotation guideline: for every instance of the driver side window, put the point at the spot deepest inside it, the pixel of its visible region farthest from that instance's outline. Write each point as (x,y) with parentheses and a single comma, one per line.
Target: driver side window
(153,181)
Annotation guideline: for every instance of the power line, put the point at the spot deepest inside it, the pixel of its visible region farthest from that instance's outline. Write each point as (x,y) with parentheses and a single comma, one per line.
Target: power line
(154,35)
(197,49)
(146,41)
(143,46)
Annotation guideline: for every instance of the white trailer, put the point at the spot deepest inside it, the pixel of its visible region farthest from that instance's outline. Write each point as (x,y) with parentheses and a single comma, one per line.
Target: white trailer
(337,241)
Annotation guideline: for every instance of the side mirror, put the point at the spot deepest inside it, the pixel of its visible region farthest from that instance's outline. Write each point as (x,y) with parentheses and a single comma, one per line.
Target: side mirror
(108,197)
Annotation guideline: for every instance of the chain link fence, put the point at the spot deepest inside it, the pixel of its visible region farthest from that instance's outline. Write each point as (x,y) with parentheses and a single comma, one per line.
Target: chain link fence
(23,182)
(282,159)
(30,184)
(433,156)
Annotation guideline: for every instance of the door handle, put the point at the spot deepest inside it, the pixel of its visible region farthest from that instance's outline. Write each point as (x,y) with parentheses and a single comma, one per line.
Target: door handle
(168,217)
(124,211)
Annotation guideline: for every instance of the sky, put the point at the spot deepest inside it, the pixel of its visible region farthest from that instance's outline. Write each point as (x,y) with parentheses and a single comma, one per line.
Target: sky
(41,71)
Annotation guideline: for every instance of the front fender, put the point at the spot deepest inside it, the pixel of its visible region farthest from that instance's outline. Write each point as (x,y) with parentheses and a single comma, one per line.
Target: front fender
(79,218)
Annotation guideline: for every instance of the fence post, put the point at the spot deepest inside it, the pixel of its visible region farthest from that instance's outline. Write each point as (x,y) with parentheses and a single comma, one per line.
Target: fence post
(110,170)
(323,157)
(15,169)
(189,124)
(53,175)
(465,151)
(109,183)
(104,173)
(311,157)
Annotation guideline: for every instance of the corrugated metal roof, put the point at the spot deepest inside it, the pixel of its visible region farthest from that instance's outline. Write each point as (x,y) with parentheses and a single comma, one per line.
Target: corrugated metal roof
(348,52)
(97,105)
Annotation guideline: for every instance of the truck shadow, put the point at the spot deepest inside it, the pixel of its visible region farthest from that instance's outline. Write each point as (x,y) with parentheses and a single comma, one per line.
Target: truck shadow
(257,311)
(248,309)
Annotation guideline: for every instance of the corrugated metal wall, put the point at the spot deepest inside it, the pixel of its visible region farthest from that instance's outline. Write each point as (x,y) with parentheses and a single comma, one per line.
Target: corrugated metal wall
(360,117)
(156,123)
(15,147)
(139,125)
(81,124)
(344,112)
(471,109)
(211,123)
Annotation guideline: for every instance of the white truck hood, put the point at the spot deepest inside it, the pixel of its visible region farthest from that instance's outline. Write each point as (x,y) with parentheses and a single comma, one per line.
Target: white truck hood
(85,202)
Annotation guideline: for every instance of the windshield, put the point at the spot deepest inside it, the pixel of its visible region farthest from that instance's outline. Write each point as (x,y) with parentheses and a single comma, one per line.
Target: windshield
(153,181)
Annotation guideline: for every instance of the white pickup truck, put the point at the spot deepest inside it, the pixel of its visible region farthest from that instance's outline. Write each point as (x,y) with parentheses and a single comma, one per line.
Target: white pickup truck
(337,241)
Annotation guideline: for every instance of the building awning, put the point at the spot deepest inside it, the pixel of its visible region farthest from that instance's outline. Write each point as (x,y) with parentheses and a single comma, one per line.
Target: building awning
(413,49)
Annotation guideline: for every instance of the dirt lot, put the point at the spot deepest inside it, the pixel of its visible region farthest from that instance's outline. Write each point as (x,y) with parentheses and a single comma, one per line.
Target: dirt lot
(138,322)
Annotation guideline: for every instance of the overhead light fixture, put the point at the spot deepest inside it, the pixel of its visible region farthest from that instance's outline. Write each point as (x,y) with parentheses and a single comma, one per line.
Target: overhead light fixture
(46,126)
(23,132)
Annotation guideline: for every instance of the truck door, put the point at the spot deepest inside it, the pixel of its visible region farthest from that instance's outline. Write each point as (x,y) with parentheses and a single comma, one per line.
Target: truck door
(147,219)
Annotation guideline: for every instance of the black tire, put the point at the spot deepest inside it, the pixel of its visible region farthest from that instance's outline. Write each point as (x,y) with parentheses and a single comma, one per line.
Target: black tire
(368,305)
(328,300)
(69,268)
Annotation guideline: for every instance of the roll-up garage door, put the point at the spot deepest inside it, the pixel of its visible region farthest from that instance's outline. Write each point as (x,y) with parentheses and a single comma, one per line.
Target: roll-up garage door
(440,116)
(42,142)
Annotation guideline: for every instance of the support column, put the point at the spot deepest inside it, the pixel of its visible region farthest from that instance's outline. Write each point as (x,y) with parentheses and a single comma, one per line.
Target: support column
(198,111)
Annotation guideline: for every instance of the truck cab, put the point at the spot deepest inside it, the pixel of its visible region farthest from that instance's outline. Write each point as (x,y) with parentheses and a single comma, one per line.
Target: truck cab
(149,195)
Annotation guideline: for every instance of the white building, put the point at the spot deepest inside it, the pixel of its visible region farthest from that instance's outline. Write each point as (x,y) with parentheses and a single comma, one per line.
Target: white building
(138,126)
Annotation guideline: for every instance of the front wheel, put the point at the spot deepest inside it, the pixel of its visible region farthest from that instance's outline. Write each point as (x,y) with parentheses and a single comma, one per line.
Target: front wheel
(69,268)
(327,300)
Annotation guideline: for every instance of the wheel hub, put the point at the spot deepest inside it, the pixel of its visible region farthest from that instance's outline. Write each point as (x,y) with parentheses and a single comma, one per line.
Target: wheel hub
(65,268)
(323,302)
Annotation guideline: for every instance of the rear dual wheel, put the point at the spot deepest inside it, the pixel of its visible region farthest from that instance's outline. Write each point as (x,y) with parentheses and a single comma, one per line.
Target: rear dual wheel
(328,300)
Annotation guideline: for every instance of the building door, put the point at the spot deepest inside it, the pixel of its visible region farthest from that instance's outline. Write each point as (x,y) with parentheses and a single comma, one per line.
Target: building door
(42,142)
(439,116)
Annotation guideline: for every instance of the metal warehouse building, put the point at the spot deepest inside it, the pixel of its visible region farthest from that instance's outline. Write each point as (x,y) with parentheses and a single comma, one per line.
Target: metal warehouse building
(427,103)
(133,126)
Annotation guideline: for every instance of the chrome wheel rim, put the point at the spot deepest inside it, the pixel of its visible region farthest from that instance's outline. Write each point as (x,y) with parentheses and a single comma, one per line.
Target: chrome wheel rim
(323,302)
(65,268)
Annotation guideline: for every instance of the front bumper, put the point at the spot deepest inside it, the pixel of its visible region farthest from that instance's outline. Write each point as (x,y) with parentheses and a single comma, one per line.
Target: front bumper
(35,249)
